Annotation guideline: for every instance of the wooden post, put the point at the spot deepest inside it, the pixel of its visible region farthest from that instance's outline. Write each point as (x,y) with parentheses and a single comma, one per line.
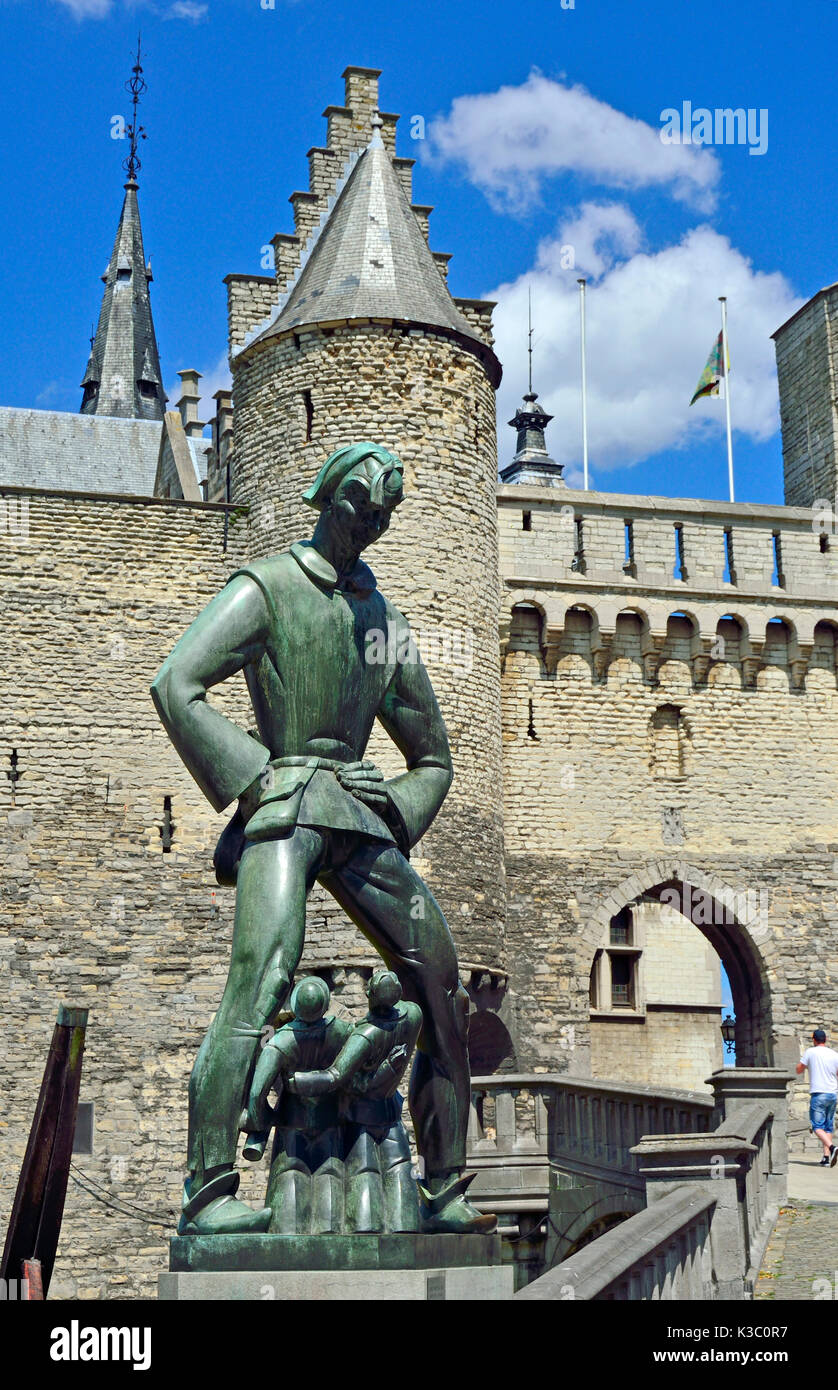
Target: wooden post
(35,1224)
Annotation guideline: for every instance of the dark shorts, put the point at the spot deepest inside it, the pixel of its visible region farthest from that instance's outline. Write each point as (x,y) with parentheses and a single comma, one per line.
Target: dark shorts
(822,1110)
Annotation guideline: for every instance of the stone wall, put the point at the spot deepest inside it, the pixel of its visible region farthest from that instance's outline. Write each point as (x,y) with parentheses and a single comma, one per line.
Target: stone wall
(667,1047)
(640,750)
(807,371)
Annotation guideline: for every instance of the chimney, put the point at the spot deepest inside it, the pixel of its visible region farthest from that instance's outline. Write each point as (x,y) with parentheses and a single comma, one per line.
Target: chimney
(190,397)
(222,425)
(218,480)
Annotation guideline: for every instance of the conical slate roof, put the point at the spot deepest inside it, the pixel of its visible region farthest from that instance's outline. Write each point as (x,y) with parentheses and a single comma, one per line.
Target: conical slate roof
(368,259)
(123,372)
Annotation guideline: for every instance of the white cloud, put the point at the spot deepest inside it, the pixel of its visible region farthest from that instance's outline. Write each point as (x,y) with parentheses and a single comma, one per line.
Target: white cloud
(652,318)
(88,9)
(187,9)
(512,140)
(100,9)
(595,237)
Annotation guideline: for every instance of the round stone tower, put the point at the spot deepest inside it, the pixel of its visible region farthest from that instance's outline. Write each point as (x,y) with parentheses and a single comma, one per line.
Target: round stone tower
(357,337)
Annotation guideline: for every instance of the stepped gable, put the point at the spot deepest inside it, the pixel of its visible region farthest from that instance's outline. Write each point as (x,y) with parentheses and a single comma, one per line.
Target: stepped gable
(370,259)
(360,245)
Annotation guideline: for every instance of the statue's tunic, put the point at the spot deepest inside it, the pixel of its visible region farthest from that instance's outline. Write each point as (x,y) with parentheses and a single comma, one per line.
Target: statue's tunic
(322,661)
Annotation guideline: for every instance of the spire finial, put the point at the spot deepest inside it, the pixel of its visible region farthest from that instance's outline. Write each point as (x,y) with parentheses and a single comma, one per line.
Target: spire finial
(529,333)
(377,127)
(136,87)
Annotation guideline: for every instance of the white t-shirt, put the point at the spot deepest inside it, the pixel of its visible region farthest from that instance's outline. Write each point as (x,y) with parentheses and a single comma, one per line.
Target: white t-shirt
(823,1068)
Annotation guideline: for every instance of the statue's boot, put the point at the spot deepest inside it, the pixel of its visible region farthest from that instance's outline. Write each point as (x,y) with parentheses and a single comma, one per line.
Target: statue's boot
(214,1210)
(449,1210)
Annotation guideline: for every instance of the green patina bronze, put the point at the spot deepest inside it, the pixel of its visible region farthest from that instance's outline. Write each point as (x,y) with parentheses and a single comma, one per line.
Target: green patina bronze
(341,1161)
(324,655)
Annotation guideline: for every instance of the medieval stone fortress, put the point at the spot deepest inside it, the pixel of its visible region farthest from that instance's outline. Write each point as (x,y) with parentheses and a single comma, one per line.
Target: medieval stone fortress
(639,693)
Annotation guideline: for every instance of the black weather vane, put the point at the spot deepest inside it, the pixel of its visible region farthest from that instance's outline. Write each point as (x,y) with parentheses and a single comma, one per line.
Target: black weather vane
(136,87)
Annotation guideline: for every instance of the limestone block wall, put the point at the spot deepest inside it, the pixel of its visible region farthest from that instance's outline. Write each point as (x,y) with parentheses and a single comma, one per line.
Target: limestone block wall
(578,540)
(807,370)
(639,749)
(667,1047)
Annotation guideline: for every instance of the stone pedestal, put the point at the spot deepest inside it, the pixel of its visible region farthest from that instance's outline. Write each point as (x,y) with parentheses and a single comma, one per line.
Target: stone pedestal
(735,1088)
(351,1267)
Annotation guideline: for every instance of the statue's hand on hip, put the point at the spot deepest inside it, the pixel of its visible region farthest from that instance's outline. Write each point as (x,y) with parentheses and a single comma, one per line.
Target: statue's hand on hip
(366,782)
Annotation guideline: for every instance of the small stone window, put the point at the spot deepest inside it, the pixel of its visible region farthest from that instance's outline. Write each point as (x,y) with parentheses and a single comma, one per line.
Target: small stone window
(778,579)
(619,933)
(669,738)
(629,566)
(729,574)
(622,982)
(578,562)
(680,569)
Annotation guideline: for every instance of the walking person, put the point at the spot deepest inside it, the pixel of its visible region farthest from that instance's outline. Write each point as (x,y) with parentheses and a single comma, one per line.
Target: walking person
(822,1064)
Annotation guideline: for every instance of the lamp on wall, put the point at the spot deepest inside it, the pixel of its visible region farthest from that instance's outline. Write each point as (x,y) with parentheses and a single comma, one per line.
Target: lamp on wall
(728,1027)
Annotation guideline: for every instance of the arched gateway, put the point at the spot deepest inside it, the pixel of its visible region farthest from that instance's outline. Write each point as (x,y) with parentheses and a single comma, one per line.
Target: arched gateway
(734,919)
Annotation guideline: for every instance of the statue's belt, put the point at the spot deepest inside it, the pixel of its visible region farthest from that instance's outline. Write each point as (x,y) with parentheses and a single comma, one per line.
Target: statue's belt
(279,804)
(300,760)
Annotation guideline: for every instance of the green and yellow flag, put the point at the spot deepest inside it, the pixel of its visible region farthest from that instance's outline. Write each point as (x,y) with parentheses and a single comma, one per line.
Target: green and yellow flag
(708,384)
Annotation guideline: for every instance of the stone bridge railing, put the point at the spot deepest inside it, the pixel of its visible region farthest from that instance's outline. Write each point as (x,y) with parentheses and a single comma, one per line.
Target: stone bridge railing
(711,1202)
(553,1154)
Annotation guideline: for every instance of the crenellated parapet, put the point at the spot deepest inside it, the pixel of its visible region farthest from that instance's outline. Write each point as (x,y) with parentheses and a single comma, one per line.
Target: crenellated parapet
(657,579)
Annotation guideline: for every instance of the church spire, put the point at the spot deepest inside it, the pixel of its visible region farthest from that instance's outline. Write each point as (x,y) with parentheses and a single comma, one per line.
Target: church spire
(123,372)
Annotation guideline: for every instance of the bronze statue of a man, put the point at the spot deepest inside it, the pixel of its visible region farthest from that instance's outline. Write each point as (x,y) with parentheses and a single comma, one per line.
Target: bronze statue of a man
(306,627)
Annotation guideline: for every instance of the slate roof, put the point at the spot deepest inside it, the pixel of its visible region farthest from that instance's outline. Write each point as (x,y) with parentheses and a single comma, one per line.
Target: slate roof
(368,259)
(124,351)
(200,449)
(78,453)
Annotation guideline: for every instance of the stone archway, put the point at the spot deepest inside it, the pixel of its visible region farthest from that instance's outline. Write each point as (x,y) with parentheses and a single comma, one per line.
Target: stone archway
(733,920)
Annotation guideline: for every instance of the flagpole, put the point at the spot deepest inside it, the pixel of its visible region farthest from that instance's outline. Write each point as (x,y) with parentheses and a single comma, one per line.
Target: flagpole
(726,369)
(581,283)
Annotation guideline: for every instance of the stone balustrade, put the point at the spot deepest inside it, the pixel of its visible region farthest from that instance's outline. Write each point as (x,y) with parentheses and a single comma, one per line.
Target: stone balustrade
(541,1140)
(662,1252)
(711,1200)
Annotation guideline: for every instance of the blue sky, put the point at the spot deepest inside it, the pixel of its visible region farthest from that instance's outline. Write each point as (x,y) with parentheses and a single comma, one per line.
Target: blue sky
(542,131)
